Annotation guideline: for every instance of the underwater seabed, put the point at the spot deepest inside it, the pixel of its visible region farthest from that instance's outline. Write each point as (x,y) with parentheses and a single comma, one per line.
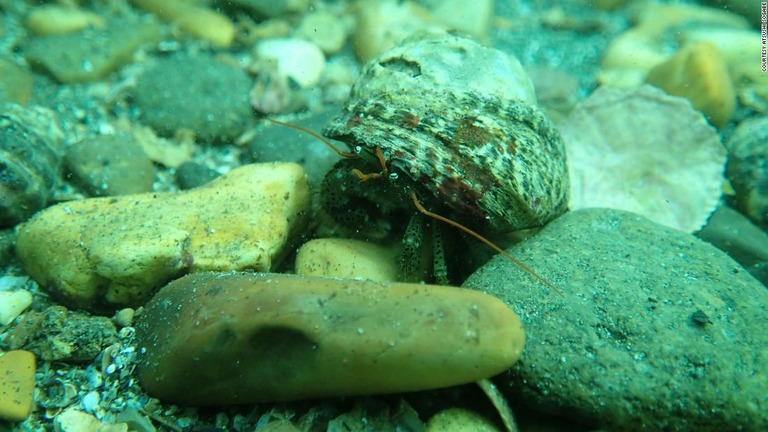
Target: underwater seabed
(462,216)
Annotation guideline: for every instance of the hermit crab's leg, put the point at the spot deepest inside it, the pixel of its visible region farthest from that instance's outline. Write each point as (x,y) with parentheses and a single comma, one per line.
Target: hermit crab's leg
(342,153)
(384,170)
(487,242)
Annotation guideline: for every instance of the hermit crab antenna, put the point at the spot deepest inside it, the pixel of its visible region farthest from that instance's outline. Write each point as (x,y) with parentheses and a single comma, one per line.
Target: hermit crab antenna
(487,242)
(342,153)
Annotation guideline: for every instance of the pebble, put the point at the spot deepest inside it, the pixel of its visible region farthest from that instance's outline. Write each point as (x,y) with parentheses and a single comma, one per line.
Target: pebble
(197,21)
(277,143)
(108,165)
(51,19)
(190,175)
(653,329)
(74,420)
(698,73)
(243,338)
(12,304)
(15,82)
(347,258)
(736,235)
(91,54)
(747,168)
(108,253)
(470,18)
(196,93)
(59,335)
(383,24)
(323,29)
(17,385)
(300,60)
(459,420)
(274,8)
(654,37)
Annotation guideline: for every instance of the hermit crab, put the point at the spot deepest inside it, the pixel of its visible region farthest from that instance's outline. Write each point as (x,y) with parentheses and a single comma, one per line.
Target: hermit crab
(445,127)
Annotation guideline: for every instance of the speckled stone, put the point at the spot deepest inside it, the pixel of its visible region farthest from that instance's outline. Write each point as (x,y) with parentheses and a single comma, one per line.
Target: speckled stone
(17,385)
(197,93)
(108,165)
(108,253)
(57,334)
(655,329)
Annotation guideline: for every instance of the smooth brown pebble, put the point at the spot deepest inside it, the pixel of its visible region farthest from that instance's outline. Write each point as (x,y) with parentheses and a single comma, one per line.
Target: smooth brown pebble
(241,338)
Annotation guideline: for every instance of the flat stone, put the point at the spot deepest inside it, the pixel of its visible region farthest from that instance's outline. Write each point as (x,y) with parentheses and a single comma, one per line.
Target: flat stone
(108,165)
(114,252)
(655,329)
(17,385)
(242,338)
(92,53)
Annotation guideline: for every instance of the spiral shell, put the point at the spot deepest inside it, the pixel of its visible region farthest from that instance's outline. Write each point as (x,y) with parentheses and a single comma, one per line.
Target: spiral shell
(459,121)
(30,159)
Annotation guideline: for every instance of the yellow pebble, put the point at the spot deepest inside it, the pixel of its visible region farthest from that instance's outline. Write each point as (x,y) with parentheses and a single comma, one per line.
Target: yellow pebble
(346,258)
(698,72)
(459,420)
(198,21)
(17,385)
(241,338)
(54,19)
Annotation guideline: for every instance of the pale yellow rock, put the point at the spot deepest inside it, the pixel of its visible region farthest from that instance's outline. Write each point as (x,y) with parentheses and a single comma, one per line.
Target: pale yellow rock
(654,39)
(108,253)
(12,304)
(472,18)
(325,30)
(17,385)
(242,338)
(74,420)
(383,24)
(51,19)
(734,45)
(460,420)
(698,73)
(198,21)
(347,258)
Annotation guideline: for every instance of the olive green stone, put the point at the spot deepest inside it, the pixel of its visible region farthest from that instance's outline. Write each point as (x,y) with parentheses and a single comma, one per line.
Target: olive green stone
(92,53)
(110,165)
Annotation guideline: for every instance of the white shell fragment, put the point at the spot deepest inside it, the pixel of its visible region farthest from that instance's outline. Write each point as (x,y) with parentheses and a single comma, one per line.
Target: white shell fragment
(644,151)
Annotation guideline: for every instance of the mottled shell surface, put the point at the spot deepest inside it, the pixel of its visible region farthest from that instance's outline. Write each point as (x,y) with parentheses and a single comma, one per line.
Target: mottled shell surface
(30,160)
(459,121)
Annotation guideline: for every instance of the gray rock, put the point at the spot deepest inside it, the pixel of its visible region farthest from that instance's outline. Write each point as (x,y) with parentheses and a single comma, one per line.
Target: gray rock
(737,236)
(108,165)
(197,93)
(93,53)
(655,329)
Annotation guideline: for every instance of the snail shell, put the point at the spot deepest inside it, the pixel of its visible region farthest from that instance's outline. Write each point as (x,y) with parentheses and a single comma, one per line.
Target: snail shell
(30,160)
(460,122)
(747,168)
